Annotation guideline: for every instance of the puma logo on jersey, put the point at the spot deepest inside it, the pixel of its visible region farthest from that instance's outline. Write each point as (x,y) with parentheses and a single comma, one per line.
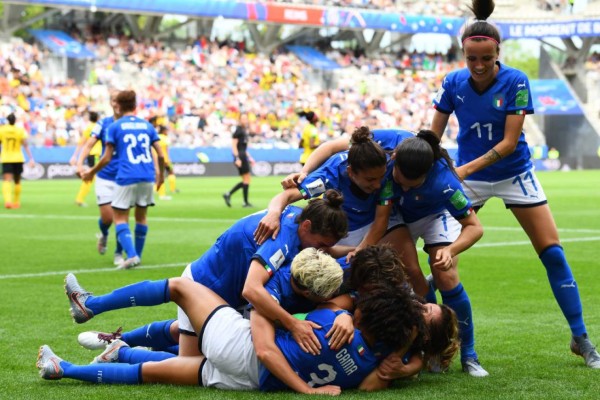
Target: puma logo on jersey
(448,190)
(522,85)
(461,98)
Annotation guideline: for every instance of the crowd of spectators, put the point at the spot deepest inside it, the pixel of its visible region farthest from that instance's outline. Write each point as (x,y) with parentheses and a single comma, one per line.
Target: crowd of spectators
(202,89)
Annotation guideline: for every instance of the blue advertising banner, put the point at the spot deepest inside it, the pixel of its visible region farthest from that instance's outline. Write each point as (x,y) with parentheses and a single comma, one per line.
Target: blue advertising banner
(60,43)
(553,97)
(313,57)
(539,30)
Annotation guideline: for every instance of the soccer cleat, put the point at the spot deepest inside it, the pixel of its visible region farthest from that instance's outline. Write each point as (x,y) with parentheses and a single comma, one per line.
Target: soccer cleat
(130,263)
(15,205)
(81,204)
(581,346)
(110,354)
(9,205)
(94,340)
(77,297)
(118,259)
(49,364)
(247,205)
(227,198)
(473,368)
(101,245)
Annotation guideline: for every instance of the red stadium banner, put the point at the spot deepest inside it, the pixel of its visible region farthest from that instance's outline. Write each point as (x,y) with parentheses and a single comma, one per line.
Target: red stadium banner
(289,14)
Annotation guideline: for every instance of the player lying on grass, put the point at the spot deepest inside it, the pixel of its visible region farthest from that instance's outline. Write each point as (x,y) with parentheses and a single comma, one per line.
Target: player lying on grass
(240,355)
(370,266)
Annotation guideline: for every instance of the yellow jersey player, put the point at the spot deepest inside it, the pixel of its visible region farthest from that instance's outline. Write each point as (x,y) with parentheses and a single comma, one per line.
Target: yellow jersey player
(12,138)
(165,143)
(309,140)
(95,152)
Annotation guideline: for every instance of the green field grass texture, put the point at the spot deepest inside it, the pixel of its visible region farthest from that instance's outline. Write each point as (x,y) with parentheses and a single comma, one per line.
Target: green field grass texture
(521,337)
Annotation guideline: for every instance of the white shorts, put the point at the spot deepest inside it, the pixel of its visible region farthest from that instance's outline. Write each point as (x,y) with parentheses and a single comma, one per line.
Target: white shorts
(522,190)
(105,191)
(231,361)
(138,194)
(439,229)
(184,322)
(356,236)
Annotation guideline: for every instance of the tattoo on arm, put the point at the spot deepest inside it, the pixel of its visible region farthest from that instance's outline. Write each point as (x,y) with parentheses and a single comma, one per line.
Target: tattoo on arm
(492,156)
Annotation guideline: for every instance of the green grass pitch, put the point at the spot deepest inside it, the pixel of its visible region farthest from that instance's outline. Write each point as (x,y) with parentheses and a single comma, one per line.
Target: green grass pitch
(522,337)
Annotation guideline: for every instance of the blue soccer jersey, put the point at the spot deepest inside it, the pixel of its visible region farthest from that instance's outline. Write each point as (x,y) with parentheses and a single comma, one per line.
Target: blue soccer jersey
(358,205)
(389,139)
(346,367)
(132,138)
(224,266)
(280,288)
(440,190)
(100,131)
(482,118)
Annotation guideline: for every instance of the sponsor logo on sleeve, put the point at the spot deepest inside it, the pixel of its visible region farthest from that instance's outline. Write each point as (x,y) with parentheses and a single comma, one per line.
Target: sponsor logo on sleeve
(458,200)
(277,259)
(522,98)
(316,188)
(439,94)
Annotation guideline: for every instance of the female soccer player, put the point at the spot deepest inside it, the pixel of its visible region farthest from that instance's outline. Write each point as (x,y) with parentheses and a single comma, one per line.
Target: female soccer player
(361,174)
(105,180)
(387,319)
(490,100)
(309,140)
(131,139)
(12,138)
(237,268)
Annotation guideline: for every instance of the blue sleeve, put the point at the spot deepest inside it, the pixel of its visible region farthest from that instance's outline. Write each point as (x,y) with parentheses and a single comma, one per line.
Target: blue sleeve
(519,96)
(152,133)
(456,201)
(274,253)
(443,101)
(111,134)
(323,178)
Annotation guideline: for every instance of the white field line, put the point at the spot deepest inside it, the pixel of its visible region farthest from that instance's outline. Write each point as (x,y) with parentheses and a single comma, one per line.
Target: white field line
(183,264)
(95,218)
(89,271)
(224,220)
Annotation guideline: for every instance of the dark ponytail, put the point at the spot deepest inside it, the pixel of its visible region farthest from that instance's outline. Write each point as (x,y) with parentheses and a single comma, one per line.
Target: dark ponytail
(364,152)
(415,156)
(481,29)
(326,215)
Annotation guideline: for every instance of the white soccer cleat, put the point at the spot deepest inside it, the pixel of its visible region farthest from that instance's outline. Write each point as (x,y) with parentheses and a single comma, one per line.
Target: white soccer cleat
(110,354)
(131,262)
(94,340)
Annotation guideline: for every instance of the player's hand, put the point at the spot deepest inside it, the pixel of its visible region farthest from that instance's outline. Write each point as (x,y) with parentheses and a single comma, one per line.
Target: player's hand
(329,390)
(268,227)
(341,332)
(31,163)
(73,161)
(392,367)
(443,259)
(160,179)
(303,334)
(350,255)
(238,163)
(86,175)
(292,180)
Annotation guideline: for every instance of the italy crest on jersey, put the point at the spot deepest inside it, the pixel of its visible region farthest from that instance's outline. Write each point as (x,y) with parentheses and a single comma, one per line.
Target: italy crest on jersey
(498,101)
